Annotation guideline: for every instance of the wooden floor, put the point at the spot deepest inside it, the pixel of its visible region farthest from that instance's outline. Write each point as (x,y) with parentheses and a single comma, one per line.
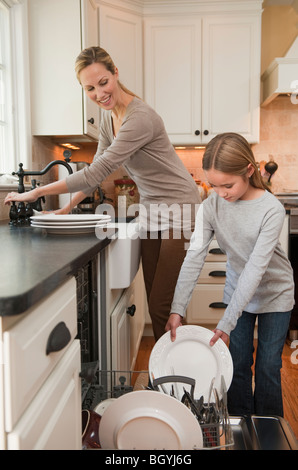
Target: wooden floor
(289,376)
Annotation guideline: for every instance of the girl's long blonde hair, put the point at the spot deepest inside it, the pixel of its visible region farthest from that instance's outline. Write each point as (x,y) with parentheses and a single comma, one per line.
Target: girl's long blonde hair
(96,54)
(231,153)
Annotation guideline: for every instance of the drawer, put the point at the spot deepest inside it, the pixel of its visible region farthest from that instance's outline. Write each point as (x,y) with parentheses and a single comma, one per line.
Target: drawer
(206,304)
(215,253)
(53,420)
(213,273)
(26,361)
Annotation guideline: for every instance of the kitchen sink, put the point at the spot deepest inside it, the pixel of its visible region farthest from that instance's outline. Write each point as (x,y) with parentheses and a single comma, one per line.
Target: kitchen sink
(124,253)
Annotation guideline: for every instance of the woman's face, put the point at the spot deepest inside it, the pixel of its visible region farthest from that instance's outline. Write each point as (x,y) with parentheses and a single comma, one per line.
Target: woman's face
(230,187)
(100,85)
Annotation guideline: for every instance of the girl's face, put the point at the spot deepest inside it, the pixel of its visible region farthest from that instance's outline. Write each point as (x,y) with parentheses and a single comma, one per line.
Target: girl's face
(231,187)
(100,85)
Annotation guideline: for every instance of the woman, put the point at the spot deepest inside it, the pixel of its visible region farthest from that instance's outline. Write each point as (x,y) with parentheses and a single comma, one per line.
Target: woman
(246,220)
(133,135)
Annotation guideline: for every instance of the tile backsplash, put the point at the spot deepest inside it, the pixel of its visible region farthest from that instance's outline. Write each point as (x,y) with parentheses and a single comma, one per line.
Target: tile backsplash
(278,141)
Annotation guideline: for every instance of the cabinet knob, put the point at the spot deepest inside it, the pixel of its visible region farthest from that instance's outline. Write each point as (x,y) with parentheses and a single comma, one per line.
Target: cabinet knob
(197,132)
(91,120)
(59,337)
(131,310)
(206,132)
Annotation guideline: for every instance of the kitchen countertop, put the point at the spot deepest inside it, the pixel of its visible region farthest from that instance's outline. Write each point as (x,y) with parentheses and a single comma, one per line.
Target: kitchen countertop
(34,263)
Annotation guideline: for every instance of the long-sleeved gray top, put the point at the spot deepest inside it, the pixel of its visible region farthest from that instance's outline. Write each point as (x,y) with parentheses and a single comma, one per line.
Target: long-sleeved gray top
(259,276)
(143,148)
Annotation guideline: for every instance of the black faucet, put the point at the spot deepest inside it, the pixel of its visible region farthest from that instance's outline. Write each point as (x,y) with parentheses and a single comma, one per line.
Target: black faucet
(21,215)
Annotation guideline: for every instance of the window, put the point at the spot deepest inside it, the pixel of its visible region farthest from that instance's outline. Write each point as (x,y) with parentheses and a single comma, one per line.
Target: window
(15,139)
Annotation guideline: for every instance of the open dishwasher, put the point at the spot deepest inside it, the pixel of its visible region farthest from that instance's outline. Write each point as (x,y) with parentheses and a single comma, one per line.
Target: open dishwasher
(222,432)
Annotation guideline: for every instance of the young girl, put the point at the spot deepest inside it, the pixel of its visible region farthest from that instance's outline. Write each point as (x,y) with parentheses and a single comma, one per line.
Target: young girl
(246,220)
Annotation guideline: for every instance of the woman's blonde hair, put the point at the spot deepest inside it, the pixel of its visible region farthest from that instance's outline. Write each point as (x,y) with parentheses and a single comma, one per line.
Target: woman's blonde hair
(98,55)
(231,153)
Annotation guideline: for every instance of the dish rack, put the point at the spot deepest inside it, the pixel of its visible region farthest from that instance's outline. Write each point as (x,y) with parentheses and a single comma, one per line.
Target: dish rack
(214,420)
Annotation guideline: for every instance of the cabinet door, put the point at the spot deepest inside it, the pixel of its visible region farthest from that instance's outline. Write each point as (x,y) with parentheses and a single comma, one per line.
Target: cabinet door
(120,333)
(90,37)
(231,76)
(53,419)
(173,75)
(57,31)
(121,35)
(137,322)
(27,363)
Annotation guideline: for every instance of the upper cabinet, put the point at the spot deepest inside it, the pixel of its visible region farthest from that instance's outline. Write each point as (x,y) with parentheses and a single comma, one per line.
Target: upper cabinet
(58,31)
(121,34)
(202,74)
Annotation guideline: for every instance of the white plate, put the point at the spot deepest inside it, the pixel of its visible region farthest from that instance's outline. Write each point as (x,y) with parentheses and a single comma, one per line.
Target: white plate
(72,230)
(190,355)
(69,224)
(70,217)
(146,419)
(103,405)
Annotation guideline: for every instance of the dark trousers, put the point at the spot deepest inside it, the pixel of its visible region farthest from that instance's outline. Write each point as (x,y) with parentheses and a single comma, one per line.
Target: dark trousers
(161,260)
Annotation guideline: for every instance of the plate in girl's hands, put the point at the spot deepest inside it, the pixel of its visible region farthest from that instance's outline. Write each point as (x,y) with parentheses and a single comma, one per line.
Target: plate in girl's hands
(191,355)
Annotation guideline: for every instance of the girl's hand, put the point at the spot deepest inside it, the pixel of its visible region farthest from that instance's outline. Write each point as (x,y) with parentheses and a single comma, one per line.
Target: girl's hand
(29,196)
(173,322)
(219,334)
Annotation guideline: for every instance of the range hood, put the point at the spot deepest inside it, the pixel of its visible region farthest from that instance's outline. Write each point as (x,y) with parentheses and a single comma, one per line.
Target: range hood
(281,77)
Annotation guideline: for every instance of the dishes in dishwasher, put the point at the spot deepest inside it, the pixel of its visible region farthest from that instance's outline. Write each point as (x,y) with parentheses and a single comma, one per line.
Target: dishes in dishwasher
(147,419)
(190,355)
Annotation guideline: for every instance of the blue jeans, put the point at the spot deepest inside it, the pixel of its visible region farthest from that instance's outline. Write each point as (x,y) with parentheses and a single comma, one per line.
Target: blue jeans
(266,400)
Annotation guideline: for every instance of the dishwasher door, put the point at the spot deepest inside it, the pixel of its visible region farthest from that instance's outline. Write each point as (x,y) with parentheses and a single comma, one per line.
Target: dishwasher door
(262,433)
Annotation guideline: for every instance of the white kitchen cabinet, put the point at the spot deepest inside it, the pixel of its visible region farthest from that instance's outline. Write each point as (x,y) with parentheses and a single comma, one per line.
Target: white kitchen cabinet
(53,419)
(205,306)
(58,31)
(36,411)
(121,35)
(202,73)
(120,332)
(127,325)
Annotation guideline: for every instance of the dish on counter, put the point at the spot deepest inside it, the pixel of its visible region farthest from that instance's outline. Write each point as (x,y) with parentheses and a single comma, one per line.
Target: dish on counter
(148,419)
(70,218)
(69,230)
(191,355)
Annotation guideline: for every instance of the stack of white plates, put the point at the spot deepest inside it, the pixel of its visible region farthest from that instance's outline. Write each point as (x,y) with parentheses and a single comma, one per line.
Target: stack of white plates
(70,224)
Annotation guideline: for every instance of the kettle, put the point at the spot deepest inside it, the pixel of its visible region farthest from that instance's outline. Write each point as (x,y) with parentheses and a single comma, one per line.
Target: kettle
(271,168)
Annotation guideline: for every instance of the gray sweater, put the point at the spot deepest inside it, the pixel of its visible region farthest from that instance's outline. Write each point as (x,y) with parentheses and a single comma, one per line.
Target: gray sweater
(143,148)
(259,275)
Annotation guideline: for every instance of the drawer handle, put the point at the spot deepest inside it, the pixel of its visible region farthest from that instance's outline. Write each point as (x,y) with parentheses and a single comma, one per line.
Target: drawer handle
(216,251)
(217,305)
(59,337)
(131,310)
(217,273)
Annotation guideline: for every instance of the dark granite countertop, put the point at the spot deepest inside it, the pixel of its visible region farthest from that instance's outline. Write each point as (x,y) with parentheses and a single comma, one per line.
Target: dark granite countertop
(34,263)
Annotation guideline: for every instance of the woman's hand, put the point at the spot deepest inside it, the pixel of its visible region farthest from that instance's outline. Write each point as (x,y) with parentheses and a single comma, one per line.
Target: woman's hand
(29,196)
(173,322)
(219,334)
